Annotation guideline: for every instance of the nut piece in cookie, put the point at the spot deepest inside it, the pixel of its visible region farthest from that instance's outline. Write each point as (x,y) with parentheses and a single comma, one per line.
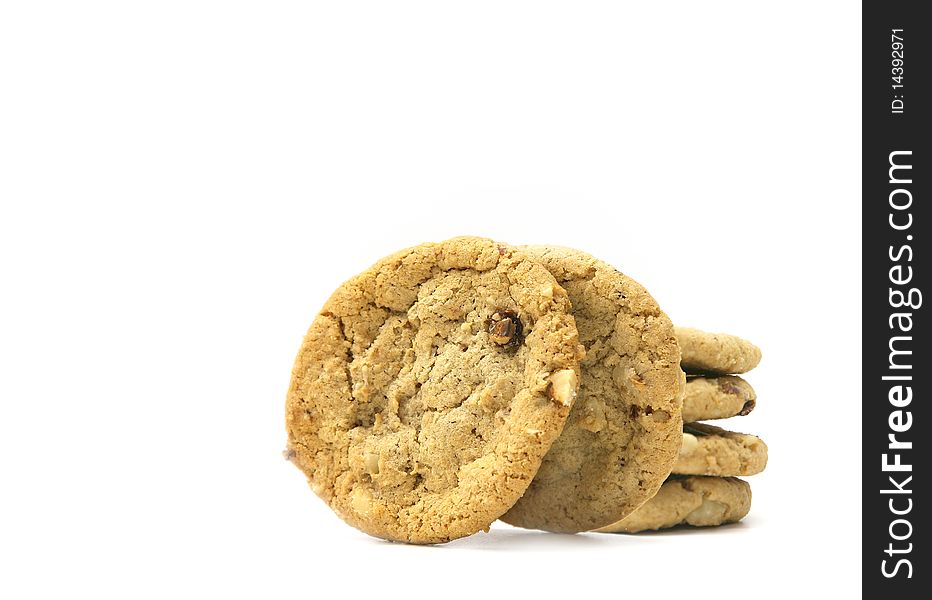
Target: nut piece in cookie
(563,386)
(505,328)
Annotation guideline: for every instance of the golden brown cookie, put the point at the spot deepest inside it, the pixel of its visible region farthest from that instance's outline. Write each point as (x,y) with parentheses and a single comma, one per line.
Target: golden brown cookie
(716,352)
(429,388)
(623,434)
(717,398)
(696,501)
(709,450)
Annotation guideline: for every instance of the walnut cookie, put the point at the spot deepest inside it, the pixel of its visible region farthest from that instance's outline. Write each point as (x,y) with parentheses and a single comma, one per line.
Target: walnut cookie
(719,397)
(696,501)
(429,388)
(719,353)
(709,450)
(623,434)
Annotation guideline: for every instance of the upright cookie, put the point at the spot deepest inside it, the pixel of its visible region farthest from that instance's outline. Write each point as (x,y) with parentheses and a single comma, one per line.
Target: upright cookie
(716,352)
(623,433)
(717,398)
(709,450)
(696,501)
(430,387)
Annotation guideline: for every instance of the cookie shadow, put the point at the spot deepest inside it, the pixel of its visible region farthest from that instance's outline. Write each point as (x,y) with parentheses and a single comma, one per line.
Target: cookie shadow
(687,530)
(528,540)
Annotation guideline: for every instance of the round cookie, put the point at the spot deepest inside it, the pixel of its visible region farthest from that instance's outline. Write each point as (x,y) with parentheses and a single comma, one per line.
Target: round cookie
(696,501)
(429,388)
(624,431)
(717,398)
(716,352)
(709,450)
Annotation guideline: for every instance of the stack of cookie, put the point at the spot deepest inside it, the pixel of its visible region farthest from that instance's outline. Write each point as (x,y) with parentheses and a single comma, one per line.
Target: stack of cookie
(704,489)
(456,383)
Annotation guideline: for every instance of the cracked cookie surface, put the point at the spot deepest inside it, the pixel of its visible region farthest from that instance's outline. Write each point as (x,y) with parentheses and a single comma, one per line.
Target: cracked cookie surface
(623,433)
(709,450)
(429,388)
(696,501)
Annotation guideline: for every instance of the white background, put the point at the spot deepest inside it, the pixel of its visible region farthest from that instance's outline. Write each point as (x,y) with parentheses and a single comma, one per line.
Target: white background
(184,183)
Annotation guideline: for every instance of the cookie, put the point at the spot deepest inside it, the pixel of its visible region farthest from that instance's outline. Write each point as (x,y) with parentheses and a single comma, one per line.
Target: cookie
(429,388)
(624,431)
(709,450)
(696,501)
(716,352)
(717,398)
